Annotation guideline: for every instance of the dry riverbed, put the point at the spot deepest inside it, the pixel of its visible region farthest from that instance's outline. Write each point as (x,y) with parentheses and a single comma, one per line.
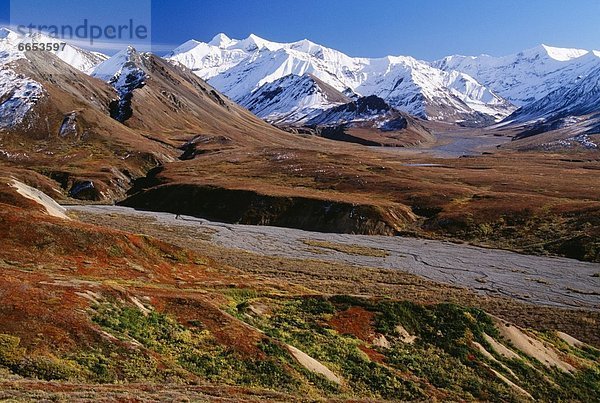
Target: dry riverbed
(544,281)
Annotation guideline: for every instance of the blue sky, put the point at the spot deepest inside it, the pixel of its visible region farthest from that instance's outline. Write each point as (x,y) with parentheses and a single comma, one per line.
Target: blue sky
(426,29)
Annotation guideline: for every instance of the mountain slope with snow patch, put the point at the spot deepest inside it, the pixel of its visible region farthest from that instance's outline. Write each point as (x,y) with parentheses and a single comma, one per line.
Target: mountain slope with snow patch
(125,73)
(18,94)
(581,98)
(292,99)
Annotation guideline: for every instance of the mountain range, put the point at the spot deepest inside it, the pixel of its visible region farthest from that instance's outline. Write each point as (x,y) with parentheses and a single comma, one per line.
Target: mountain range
(239,68)
(288,83)
(302,84)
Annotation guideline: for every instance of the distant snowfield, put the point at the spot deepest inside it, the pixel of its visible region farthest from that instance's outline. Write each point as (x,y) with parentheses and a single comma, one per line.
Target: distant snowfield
(529,75)
(453,88)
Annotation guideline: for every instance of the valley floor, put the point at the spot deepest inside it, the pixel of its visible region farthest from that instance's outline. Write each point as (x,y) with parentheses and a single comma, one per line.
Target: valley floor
(539,280)
(531,291)
(454,144)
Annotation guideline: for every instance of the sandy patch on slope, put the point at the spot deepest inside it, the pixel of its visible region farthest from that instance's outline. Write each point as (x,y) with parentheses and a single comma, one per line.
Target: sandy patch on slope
(511,384)
(501,348)
(52,207)
(313,365)
(570,340)
(405,336)
(531,346)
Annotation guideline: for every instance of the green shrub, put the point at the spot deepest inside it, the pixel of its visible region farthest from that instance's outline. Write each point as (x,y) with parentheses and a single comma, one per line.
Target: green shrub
(139,367)
(447,326)
(193,349)
(100,368)
(317,306)
(449,373)
(10,352)
(48,368)
(301,323)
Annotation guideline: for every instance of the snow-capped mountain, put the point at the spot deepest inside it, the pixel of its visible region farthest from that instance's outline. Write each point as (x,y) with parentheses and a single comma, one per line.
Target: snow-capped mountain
(421,90)
(267,64)
(293,99)
(527,76)
(217,56)
(578,99)
(370,121)
(19,93)
(573,110)
(125,73)
(241,67)
(297,83)
(83,60)
(169,101)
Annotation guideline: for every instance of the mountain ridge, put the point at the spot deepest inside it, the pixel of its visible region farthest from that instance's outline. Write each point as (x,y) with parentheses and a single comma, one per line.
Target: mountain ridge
(409,84)
(526,76)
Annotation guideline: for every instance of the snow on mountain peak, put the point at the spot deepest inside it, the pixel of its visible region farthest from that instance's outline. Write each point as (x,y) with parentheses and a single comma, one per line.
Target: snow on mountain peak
(186,47)
(207,60)
(112,67)
(485,87)
(553,53)
(81,59)
(240,67)
(305,46)
(125,72)
(254,43)
(293,99)
(563,54)
(527,76)
(255,39)
(220,40)
(562,107)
